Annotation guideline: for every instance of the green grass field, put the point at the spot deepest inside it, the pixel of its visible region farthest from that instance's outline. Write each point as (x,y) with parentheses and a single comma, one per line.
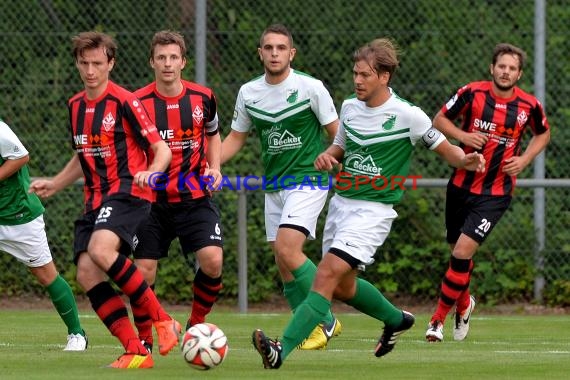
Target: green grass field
(498,347)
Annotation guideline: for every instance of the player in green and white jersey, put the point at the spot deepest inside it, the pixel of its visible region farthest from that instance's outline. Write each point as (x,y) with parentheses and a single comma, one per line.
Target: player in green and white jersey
(22,233)
(374,143)
(289,110)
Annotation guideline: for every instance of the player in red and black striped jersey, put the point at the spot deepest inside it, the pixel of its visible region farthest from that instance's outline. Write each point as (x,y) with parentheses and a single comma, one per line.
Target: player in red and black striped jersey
(495,114)
(498,123)
(111,133)
(110,136)
(188,122)
(186,117)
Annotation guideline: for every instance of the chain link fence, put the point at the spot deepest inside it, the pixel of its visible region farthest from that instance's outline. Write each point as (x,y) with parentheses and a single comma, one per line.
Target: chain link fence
(445,44)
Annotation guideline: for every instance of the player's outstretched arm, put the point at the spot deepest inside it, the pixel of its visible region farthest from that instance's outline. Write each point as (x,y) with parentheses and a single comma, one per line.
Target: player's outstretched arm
(455,156)
(213,158)
(10,167)
(232,144)
(159,164)
(516,164)
(162,156)
(332,129)
(472,139)
(46,187)
(329,158)
(474,162)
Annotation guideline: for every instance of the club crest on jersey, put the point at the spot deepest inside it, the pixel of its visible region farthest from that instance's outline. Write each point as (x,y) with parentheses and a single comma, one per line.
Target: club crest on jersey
(108,122)
(522,118)
(389,123)
(292,95)
(198,115)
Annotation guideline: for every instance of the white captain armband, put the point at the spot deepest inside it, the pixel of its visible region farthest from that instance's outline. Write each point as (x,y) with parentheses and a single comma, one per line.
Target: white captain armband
(432,138)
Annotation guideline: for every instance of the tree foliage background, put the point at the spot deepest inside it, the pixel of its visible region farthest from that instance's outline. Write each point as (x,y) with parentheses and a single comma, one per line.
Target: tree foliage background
(445,44)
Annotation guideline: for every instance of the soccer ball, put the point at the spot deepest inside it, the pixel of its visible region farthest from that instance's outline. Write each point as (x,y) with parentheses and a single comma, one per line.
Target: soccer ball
(204,346)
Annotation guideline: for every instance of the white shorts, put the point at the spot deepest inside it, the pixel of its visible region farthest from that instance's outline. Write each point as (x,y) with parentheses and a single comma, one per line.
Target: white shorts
(357,227)
(27,242)
(299,207)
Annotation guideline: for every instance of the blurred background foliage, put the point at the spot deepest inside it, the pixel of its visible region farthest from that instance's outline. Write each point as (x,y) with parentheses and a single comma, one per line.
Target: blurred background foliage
(445,44)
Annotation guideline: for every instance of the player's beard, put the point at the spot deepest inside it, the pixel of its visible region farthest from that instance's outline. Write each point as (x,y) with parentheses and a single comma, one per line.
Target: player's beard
(504,88)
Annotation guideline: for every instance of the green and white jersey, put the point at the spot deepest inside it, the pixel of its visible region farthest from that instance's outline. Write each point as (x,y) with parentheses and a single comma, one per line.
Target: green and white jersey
(378,144)
(288,118)
(17,206)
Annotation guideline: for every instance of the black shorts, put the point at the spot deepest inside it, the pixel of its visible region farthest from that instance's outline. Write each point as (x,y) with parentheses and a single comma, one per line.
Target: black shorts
(472,214)
(196,224)
(119,215)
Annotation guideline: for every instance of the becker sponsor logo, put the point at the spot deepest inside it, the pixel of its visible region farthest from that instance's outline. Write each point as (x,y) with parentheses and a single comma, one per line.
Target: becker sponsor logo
(279,141)
(285,139)
(359,164)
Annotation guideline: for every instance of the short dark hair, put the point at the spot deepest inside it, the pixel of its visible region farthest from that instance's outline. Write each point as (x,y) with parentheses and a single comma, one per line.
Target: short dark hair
(277,29)
(93,40)
(505,48)
(167,37)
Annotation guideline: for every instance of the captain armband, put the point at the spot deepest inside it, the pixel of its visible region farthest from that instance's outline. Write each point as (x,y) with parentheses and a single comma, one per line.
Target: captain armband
(432,138)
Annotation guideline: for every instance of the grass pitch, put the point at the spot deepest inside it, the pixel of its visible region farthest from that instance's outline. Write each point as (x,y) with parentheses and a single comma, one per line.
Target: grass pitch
(498,347)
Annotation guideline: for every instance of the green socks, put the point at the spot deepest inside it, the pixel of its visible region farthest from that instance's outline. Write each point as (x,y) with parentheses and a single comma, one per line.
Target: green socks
(304,277)
(315,307)
(372,302)
(293,294)
(306,317)
(64,302)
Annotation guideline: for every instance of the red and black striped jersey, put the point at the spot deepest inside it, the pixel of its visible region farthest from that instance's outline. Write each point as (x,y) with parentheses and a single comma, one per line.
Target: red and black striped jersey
(503,121)
(111,135)
(183,122)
